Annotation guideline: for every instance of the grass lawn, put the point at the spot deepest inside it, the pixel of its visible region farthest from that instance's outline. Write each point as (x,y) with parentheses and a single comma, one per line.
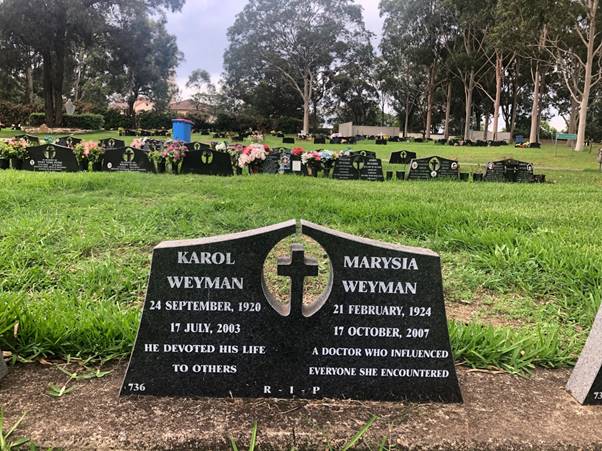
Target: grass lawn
(522,263)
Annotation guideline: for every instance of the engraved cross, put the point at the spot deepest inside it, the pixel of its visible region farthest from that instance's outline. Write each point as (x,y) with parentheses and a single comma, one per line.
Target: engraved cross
(297,267)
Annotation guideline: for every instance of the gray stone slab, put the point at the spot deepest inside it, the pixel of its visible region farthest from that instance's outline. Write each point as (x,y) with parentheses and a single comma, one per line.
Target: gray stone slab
(585,383)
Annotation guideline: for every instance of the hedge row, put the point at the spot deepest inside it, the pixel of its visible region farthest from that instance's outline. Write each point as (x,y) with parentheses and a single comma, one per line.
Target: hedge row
(14,113)
(81,121)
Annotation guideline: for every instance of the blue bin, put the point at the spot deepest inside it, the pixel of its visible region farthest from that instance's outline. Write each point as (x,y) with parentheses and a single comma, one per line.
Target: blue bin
(182,130)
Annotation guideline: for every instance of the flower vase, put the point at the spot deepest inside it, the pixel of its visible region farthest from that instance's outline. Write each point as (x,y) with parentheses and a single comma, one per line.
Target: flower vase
(97,166)
(16,163)
(327,172)
(238,170)
(4,163)
(160,165)
(84,164)
(254,169)
(175,168)
(315,169)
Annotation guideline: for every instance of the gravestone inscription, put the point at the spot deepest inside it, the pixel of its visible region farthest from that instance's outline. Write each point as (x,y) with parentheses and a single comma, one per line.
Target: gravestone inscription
(372,170)
(402,157)
(50,158)
(433,168)
(509,171)
(211,327)
(126,160)
(202,159)
(344,169)
(585,383)
(112,143)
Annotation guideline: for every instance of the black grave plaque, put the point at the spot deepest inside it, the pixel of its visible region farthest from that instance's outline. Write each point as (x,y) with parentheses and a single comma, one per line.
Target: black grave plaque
(126,160)
(344,169)
(585,383)
(433,168)
(277,161)
(68,141)
(288,140)
(402,157)
(50,158)
(32,140)
(363,153)
(210,327)
(509,171)
(201,159)
(112,143)
(372,170)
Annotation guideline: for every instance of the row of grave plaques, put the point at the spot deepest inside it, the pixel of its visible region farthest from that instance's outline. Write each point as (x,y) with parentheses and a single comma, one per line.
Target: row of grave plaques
(201,159)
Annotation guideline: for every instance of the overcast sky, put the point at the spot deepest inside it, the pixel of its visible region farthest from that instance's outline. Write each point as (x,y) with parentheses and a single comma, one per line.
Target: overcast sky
(201,31)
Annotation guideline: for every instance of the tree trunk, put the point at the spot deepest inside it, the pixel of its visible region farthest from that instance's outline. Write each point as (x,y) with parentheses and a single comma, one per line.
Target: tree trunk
(572,124)
(48,88)
(448,110)
(486,130)
(407,118)
(306,101)
(499,78)
(587,78)
(468,91)
(535,109)
(429,100)
(514,108)
(29,84)
(59,69)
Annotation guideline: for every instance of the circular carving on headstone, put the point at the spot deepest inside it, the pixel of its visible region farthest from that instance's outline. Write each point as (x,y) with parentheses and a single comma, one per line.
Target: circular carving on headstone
(316,289)
(530,168)
(32,162)
(490,166)
(414,165)
(434,174)
(110,165)
(454,165)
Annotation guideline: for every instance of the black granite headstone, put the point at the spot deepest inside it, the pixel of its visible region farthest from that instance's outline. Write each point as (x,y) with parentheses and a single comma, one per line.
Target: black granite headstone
(210,326)
(288,140)
(402,157)
(126,160)
(32,140)
(278,161)
(433,168)
(344,169)
(381,142)
(50,158)
(112,143)
(319,140)
(585,383)
(372,170)
(201,159)
(68,141)
(363,153)
(509,171)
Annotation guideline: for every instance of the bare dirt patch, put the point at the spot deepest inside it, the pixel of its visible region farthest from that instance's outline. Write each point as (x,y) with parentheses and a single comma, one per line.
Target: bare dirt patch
(500,412)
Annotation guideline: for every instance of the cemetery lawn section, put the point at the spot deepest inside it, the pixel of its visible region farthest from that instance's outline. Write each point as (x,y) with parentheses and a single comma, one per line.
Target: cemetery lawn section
(522,264)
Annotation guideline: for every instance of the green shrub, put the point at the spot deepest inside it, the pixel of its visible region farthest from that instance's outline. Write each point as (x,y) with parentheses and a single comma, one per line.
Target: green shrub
(14,113)
(114,120)
(151,120)
(82,121)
